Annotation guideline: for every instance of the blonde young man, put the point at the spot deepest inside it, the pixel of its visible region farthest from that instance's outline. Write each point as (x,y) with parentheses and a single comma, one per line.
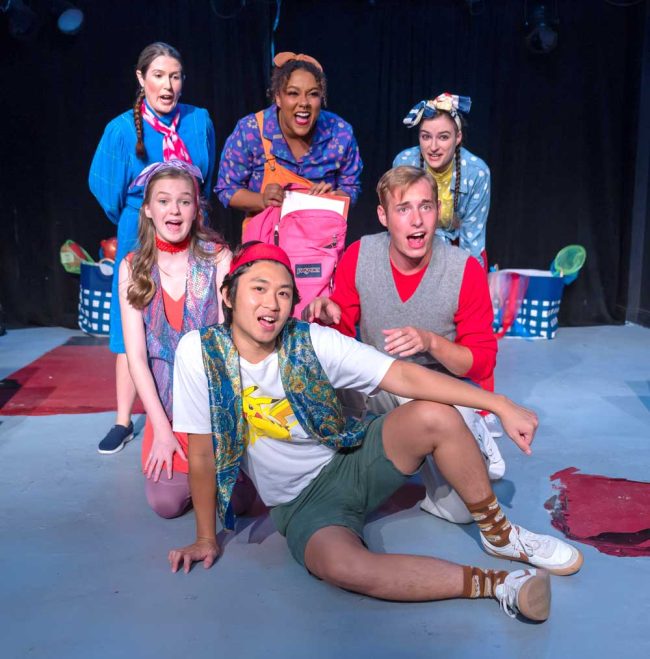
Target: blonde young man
(417,298)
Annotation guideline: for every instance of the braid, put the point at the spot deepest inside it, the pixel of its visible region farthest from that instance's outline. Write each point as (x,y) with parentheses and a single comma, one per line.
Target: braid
(457,186)
(455,220)
(140,149)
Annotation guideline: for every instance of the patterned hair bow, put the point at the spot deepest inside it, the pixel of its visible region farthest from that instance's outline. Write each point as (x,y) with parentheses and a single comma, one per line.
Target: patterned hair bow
(143,178)
(446,102)
(282,58)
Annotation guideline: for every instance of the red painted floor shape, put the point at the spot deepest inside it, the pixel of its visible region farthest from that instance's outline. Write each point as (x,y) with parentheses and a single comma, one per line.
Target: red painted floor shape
(71,379)
(612,514)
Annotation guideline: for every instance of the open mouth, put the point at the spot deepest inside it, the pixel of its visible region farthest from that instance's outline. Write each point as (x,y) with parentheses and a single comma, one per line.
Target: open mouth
(174,225)
(267,322)
(416,240)
(302,118)
(167,99)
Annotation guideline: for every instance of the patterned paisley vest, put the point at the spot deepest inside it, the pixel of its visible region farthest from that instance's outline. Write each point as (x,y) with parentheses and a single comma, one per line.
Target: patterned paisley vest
(309,392)
(201,309)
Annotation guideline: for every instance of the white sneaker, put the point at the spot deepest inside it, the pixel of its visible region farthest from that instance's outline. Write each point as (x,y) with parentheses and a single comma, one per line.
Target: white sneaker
(493,424)
(544,551)
(527,592)
(450,508)
(496,465)
(441,499)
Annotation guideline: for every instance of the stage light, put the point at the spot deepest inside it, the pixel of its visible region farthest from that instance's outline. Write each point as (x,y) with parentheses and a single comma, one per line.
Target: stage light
(69,19)
(541,21)
(23,22)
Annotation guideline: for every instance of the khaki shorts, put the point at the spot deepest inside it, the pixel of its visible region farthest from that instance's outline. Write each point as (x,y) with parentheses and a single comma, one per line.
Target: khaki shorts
(347,490)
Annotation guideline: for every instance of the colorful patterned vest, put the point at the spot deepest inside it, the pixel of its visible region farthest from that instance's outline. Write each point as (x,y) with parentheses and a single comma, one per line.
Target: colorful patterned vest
(201,309)
(308,390)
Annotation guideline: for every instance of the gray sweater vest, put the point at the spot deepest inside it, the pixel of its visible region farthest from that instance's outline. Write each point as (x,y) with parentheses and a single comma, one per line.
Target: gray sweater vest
(432,306)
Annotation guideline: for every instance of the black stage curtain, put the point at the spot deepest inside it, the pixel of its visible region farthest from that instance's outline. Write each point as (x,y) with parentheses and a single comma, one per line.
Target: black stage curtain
(557,131)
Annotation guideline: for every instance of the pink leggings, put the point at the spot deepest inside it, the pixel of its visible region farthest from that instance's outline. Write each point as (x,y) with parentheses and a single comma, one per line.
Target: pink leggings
(169,498)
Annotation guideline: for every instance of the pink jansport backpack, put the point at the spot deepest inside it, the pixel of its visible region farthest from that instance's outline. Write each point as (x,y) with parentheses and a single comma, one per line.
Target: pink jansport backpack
(314,241)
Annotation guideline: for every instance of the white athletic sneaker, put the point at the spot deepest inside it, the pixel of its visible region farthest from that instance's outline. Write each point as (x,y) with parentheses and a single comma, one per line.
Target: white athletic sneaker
(441,500)
(496,465)
(544,551)
(527,592)
(450,508)
(493,424)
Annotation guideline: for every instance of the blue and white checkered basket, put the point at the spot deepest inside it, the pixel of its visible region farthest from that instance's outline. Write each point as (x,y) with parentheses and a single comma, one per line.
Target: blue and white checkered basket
(540,306)
(95,296)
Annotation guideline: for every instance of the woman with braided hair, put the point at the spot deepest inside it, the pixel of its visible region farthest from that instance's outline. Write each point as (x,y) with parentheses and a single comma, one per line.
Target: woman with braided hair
(463,178)
(158,128)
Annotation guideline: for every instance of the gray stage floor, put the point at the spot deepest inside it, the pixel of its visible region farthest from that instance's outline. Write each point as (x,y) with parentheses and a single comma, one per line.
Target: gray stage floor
(84,570)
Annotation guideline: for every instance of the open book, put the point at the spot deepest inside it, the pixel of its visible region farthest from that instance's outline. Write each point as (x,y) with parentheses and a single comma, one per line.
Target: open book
(294,200)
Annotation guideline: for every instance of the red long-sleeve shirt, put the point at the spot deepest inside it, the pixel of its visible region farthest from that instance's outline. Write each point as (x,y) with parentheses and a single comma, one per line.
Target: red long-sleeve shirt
(473,317)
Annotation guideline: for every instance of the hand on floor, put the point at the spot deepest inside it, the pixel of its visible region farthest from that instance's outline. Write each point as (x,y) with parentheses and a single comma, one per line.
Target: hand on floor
(204,549)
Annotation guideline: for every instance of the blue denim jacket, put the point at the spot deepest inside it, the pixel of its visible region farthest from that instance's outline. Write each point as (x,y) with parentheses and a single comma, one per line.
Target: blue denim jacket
(474,202)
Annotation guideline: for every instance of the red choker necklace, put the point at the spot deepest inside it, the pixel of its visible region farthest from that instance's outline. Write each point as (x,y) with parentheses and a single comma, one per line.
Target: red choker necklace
(173,248)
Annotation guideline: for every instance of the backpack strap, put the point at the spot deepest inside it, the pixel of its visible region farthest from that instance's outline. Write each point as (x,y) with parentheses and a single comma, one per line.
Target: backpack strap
(266,143)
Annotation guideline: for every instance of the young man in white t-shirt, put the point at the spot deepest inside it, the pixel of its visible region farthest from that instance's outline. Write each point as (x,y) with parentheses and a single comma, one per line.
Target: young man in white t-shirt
(320,496)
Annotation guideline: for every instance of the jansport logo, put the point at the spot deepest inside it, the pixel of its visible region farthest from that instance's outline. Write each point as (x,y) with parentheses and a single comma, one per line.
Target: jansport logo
(304,270)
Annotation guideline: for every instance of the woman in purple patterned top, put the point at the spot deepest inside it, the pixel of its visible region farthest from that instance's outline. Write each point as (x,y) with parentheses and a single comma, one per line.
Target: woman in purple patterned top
(304,143)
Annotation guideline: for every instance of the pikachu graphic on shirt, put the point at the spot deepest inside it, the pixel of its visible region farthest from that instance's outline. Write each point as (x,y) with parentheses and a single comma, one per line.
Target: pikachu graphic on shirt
(267,417)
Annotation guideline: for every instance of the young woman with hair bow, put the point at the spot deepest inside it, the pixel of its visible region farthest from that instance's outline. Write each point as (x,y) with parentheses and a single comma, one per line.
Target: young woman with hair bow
(463,178)
(168,286)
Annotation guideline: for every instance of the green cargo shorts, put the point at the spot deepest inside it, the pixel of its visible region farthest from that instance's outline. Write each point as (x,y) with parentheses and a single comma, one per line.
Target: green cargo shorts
(351,486)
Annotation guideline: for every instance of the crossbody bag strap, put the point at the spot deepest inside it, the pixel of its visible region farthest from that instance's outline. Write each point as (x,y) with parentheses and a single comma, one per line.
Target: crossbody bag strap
(266,143)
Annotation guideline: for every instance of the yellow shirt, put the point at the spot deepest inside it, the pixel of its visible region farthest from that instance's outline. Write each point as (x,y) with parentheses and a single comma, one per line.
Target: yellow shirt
(445,196)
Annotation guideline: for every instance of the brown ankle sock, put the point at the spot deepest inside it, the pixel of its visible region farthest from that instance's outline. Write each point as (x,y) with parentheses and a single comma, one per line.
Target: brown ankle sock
(491,520)
(481,583)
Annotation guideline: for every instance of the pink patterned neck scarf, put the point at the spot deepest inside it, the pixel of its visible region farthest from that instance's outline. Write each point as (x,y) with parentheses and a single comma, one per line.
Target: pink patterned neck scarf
(173,146)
